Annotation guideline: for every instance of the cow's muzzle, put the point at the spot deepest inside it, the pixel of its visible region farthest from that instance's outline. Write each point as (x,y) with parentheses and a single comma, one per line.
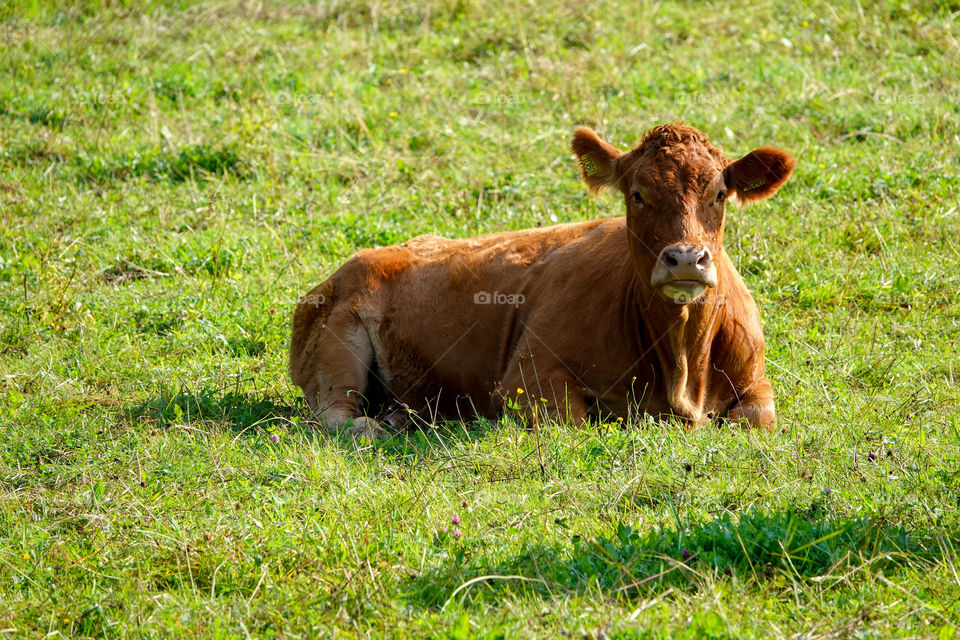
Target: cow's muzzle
(684,272)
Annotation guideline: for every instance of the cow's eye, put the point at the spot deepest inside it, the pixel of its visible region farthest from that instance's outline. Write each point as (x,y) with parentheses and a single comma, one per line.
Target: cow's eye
(721,197)
(638,199)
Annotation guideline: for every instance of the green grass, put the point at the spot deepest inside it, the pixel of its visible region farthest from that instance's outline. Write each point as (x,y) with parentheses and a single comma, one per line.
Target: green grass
(172,178)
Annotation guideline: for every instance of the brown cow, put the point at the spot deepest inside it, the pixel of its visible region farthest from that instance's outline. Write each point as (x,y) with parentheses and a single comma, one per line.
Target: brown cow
(645,312)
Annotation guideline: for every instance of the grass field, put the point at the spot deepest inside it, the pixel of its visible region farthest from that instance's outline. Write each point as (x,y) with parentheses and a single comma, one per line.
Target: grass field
(173,177)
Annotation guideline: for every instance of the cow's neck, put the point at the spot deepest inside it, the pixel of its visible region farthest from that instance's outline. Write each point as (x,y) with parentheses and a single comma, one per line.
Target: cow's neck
(682,337)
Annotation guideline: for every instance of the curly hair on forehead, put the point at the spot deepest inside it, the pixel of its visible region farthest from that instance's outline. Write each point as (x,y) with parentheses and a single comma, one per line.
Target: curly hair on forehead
(668,137)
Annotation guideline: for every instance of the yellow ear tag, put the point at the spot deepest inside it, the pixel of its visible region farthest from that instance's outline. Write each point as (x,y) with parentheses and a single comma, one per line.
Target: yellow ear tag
(753,185)
(588,165)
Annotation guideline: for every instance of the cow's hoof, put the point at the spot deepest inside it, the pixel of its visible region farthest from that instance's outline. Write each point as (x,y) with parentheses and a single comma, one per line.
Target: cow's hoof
(366,429)
(754,415)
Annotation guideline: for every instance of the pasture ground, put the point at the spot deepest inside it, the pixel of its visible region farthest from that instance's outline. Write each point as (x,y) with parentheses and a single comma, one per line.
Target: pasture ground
(173,177)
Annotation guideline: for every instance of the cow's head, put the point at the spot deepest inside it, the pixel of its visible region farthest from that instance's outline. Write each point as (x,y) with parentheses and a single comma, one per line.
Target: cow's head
(676,186)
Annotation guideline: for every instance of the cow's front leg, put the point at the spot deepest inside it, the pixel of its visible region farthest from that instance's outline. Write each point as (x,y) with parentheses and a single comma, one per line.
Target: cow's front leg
(553,394)
(755,406)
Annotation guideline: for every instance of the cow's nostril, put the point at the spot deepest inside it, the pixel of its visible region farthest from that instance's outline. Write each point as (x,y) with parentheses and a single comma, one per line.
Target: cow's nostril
(704,259)
(670,260)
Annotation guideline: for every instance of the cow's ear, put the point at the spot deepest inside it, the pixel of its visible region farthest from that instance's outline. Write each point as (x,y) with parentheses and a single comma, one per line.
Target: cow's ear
(598,160)
(759,174)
